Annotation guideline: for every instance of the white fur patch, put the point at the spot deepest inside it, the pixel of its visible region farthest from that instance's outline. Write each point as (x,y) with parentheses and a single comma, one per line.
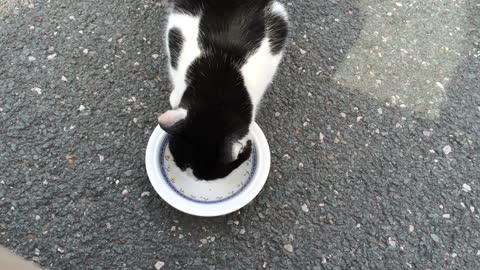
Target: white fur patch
(258,72)
(279,9)
(189,27)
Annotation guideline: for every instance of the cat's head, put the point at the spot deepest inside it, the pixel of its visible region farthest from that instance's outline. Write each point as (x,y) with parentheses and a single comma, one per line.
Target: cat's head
(210,143)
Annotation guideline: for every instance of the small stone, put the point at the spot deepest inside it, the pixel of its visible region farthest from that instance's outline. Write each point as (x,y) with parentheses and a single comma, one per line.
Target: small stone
(302,51)
(435,237)
(277,114)
(305,208)
(36,252)
(411,228)
(472,209)
(37,90)
(343,115)
(124,192)
(242,231)
(51,56)
(466,188)
(70,158)
(159,265)
(440,85)
(145,194)
(31,59)
(61,250)
(109,226)
(203,241)
(155,56)
(37,217)
(427,133)
(288,248)
(173,229)
(391,242)
(64,78)
(359,118)
(236,222)
(180,236)
(31,5)
(129,173)
(446,215)
(101,157)
(398,4)
(212,238)
(300,165)
(454,255)
(81,108)
(85,51)
(380,111)
(447,149)
(322,138)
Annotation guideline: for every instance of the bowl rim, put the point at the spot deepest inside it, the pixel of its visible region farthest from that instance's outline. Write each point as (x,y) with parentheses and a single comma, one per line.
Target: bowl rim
(169,195)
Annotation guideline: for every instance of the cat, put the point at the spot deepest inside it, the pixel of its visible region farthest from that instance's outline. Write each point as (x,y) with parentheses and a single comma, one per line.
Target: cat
(223,55)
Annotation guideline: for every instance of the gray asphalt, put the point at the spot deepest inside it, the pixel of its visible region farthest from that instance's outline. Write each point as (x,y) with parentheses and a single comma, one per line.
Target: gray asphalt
(358,180)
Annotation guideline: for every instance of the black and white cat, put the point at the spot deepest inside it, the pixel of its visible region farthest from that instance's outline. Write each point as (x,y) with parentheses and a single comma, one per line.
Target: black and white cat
(223,56)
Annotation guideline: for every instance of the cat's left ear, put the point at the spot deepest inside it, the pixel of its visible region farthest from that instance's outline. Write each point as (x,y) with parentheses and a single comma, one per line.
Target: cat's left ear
(171,120)
(239,149)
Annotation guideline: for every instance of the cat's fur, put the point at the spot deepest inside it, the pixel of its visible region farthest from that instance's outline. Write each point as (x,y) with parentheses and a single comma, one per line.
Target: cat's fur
(223,54)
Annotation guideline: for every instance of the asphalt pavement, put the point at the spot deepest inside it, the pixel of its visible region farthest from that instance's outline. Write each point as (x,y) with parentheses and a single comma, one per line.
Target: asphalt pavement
(373,121)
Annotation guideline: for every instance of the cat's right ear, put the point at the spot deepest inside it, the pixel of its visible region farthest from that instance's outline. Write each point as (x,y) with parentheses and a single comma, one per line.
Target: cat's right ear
(172,121)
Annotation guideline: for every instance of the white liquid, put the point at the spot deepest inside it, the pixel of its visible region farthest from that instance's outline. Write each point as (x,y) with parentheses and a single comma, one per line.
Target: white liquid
(207,191)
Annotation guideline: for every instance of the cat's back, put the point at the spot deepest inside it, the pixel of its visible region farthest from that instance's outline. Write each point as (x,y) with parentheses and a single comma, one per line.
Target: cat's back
(233,26)
(251,33)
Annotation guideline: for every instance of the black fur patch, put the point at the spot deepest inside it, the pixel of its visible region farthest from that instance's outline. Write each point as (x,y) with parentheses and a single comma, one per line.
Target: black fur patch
(219,113)
(234,29)
(191,7)
(277,32)
(175,44)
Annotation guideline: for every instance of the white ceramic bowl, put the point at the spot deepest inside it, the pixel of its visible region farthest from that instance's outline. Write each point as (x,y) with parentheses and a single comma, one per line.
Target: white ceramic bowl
(207,198)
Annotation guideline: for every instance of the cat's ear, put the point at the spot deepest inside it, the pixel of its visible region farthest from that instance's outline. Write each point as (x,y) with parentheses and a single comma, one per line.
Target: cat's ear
(172,120)
(239,149)
(235,152)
